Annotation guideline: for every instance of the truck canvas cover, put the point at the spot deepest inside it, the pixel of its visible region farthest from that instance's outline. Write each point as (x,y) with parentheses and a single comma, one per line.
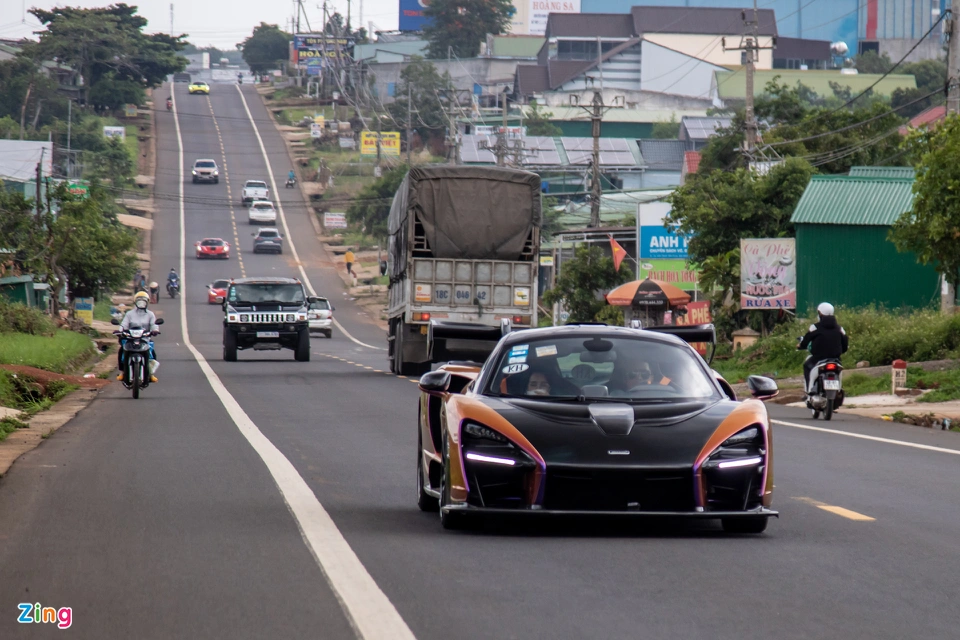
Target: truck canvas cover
(473,213)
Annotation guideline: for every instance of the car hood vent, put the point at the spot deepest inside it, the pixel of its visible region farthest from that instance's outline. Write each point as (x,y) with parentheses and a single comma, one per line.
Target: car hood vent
(613,418)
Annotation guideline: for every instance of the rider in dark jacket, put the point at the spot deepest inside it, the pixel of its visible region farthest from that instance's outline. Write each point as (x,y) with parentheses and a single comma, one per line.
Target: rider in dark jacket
(826,340)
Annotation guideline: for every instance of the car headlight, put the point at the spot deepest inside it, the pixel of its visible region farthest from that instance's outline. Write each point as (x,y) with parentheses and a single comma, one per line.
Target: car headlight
(291,317)
(244,317)
(482,432)
(745,448)
(216,172)
(194,172)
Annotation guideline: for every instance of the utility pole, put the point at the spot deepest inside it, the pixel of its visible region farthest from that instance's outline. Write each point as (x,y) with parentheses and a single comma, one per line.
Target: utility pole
(948,294)
(409,125)
(171,19)
(377,172)
(750,46)
(39,178)
(595,188)
(69,123)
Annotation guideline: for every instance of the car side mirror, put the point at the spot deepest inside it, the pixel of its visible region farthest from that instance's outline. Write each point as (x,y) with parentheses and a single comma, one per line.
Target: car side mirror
(762,388)
(383,267)
(159,320)
(312,299)
(332,308)
(208,287)
(435,381)
(254,235)
(114,321)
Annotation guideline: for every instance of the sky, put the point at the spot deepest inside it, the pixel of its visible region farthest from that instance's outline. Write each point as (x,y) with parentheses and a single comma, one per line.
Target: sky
(221,23)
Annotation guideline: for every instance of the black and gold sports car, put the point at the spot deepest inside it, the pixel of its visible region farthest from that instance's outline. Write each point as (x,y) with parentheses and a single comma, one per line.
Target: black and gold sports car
(592,419)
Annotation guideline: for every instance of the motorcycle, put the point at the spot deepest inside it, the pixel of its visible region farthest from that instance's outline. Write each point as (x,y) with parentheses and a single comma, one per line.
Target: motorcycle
(827,393)
(291,183)
(173,287)
(169,104)
(135,345)
(239,79)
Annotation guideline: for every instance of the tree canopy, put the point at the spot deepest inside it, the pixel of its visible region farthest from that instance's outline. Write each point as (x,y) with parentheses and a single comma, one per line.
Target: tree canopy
(109,48)
(425,86)
(372,205)
(537,122)
(266,48)
(461,25)
(581,281)
(931,229)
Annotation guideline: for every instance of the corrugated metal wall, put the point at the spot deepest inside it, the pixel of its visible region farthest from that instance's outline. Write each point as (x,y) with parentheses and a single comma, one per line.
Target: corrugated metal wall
(857,266)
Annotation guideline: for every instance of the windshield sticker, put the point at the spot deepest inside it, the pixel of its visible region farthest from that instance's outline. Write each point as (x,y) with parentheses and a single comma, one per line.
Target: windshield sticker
(517,360)
(515,368)
(550,350)
(519,350)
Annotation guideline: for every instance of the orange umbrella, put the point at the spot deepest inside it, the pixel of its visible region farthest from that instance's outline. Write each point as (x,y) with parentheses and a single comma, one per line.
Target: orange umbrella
(647,293)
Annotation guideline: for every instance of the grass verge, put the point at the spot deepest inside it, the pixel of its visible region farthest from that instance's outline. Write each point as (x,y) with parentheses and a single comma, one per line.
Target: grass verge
(942,385)
(60,352)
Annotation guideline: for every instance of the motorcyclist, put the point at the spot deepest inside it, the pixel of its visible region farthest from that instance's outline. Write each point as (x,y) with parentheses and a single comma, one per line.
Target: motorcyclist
(154,292)
(140,317)
(169,104)
(172,277)
(826,340)
(291,177)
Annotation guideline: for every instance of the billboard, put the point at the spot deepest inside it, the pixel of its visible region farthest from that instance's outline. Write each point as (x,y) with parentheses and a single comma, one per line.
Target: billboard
(656,240)
(389,143)
(676,272)
(697,313)
(541,9)
(311,50)
(411,15)
(768,273)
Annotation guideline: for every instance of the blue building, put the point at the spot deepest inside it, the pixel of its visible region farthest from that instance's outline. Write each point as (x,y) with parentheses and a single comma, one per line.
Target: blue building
(871,22)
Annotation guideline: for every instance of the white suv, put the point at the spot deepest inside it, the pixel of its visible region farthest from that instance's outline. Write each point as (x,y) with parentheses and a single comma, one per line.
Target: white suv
(262,212)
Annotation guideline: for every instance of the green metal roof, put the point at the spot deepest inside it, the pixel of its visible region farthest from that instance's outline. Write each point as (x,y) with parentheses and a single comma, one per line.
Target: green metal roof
(732,84)
(882,172)
(851,200)
(516,46)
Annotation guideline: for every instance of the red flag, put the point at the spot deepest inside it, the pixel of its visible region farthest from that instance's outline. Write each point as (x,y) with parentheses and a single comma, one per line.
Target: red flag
(618,253)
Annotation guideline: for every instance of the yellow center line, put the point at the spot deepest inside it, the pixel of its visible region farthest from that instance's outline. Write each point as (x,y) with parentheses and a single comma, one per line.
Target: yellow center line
(839,511)
(226,179)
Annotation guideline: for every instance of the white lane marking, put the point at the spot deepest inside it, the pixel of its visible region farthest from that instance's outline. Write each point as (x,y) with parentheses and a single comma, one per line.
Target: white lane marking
(902,443)
(367,608)
(283,219)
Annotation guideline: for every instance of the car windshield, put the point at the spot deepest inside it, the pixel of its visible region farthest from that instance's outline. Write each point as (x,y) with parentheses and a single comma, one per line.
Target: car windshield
(320,305)
(634,369)
(278,293)
(212,242)
(206,164)
(220,284)
(200,83)
(268,234)
(253,184)
(262,205)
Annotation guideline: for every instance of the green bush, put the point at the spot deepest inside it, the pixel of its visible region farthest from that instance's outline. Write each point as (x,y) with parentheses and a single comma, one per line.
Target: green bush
(19,318)
(60,352)
(876,336)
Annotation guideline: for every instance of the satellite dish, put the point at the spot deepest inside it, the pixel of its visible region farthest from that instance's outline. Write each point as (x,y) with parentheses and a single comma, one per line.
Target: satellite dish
(839,48)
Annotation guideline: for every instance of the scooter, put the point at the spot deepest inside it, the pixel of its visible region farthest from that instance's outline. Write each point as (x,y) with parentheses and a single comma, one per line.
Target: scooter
(136,346)
(291,183)
(826,396)
(239,79)
(173,287)
(169,104)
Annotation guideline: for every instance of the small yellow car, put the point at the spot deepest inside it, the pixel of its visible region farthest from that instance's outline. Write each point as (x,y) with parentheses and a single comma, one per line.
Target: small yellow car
(199,86)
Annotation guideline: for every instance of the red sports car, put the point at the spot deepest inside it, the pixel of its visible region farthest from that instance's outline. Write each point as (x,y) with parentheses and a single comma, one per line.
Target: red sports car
(213,248)
(216,291)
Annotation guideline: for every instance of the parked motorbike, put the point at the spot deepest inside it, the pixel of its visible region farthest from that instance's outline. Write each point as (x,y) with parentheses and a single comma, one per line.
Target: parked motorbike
(173,287)
(826,396)
(136,345)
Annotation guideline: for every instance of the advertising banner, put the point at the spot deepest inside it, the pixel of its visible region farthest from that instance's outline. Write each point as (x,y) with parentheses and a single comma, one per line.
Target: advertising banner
(697,313)
(768,273)
(656,240)
(411,15)
(115,132)
(335,220)
(676,272)
(83,309)
(389,143)
(540,10)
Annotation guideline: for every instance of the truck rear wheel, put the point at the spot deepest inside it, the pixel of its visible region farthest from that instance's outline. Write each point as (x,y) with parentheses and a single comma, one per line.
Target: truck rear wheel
(229,346)
(302,352)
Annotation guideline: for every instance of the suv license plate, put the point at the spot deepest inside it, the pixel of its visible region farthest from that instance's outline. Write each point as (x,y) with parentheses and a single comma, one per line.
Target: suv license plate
(831,385)
(268,334)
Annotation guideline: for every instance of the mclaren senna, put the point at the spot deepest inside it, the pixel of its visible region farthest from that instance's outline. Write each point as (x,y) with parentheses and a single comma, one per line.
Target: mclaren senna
(595,420)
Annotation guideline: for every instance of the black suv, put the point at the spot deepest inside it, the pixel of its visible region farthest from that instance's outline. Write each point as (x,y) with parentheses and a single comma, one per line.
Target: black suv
(266,313)
(267,239)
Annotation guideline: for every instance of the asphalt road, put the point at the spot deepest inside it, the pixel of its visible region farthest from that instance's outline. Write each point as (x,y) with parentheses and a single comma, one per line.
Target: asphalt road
(162,518)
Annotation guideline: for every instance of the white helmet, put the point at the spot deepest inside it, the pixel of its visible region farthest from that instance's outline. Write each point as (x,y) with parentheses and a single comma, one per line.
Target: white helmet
(825,309)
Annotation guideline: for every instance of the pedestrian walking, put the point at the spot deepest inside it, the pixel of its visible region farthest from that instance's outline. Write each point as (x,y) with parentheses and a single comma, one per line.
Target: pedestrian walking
(349,258)
(136,280)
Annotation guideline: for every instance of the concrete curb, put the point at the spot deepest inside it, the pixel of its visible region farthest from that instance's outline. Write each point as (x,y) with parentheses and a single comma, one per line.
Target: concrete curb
(42,425)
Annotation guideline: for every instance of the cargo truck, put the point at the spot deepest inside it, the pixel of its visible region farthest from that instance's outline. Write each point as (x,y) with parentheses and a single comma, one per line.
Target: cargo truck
(462,262)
